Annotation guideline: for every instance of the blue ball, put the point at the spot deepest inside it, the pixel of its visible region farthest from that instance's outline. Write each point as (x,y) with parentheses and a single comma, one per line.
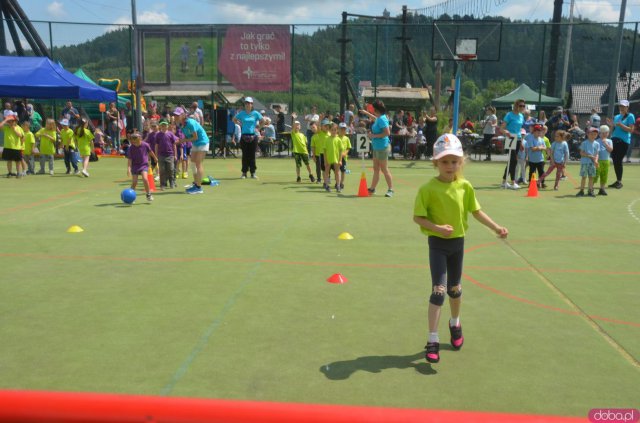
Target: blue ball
(128,196)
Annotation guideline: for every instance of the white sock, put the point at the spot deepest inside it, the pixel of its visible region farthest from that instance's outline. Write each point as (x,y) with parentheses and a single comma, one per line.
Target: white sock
(454,321)
(433,337)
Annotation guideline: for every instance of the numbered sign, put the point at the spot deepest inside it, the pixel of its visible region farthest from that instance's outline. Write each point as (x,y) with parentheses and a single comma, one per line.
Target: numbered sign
(363,143)
(510,143)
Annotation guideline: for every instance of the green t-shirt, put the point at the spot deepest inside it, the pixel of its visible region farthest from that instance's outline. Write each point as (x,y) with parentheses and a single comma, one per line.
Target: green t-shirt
(47,146)
(346,145)
(445,203)
(299,142)
(547,143)
(317,143)
(36,121)
(29,141)
(332,149)
(12,139)
(84,142)
(66,136)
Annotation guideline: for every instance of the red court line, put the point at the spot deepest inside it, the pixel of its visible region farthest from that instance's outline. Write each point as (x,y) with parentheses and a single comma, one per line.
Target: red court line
(553,270)
(41,202)
(539,305)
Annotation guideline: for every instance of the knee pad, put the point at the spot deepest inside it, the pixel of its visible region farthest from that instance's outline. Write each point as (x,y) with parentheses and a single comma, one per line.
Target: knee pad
(455,291)
(437,295)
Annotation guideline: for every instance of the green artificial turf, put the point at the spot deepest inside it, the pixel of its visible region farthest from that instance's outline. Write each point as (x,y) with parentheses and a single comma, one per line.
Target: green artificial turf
(224,295)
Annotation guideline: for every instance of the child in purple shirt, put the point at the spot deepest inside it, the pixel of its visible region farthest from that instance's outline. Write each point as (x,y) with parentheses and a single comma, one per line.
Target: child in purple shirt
(138,163)
(165,149)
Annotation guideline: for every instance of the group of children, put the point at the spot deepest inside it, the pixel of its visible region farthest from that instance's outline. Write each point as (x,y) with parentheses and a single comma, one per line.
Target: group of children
(22,145)
(164,147)
(594,153)
(330,147)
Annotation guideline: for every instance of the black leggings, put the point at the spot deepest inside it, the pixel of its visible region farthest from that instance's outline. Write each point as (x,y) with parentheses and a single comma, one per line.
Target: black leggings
(617,156)
(486,142)
(513,161)
(539,167)
(445,260)
(248,145)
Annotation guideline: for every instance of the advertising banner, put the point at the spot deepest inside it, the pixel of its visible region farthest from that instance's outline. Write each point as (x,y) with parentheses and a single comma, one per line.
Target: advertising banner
(257,58)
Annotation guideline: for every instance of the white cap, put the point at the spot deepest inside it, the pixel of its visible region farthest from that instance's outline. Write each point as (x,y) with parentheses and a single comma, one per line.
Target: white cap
(624,103)
(447,144)
(248,100)
(64,122)
(342,125)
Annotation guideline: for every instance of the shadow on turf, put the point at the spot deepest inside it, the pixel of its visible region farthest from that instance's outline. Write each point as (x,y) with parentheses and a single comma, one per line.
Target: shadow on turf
(120,205)
(341,370)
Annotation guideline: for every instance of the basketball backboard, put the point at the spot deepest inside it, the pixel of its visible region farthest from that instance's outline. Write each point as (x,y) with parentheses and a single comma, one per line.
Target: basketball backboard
(466,40)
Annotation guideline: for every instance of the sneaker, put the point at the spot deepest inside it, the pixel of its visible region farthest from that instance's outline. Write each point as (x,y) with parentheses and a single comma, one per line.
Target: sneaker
(298,179)
(543,185)
(514,186)
(185,175)
(601,191)
(311,178)
(389,193)
(371,191)
(67,172)
(505,185)
(172,186)
(254,176)
(341,186)
(194,190)
(580,193)
(563,178)
(555,188)
(590,193)
(149,197)
(327,188)
(76,172)
(456,336)
(520,181)
(433,352)
(616,185)
(51,173)
(10,174)
(85,173)
(156,179)
(244,176)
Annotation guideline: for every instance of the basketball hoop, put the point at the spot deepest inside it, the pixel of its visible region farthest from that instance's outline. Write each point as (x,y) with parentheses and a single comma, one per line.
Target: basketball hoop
(467,60)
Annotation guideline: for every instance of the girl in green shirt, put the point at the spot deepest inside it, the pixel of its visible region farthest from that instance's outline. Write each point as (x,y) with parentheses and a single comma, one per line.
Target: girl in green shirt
(441,210)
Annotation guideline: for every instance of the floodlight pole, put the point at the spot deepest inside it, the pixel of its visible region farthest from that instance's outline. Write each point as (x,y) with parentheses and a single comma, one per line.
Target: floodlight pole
(613,86)
(456,98)
(137,113)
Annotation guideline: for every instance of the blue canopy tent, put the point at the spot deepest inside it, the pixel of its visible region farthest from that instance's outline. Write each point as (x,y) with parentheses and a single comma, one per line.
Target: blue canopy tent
(39,77)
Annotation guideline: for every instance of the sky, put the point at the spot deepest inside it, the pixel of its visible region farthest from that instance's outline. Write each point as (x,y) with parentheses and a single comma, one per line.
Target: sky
(296,12)
(293,11)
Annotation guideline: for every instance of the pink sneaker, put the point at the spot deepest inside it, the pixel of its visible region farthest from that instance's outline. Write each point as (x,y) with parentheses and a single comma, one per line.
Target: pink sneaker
(456,337)
(433,352)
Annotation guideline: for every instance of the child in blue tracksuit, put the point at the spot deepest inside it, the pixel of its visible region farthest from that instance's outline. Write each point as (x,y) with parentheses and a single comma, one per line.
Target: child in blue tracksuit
(535,152)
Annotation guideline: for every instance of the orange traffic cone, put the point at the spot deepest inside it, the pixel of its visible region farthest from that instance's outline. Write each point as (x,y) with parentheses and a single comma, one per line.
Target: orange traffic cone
(362,190)
(533,186)
(152,183)
(337,278)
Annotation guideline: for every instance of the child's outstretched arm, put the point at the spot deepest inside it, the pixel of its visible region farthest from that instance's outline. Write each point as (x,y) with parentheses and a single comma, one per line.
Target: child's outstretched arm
(444,230)
(483,218)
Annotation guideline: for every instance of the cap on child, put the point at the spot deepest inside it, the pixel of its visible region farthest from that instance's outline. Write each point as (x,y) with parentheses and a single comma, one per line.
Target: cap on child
(447,144)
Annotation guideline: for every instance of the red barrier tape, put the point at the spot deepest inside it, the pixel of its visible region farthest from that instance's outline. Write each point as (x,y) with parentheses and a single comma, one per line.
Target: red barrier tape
(58,407)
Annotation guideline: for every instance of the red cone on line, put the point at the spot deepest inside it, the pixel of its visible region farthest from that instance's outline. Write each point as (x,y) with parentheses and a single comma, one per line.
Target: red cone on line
(533,186)
(337,278)
(362,190)
(152,183)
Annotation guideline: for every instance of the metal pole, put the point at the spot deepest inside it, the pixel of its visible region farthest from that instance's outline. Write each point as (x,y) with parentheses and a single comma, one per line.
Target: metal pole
(544,39)
(456,98)
(615,64)
(137,114)
(293,33)
(375,68)
(343,64)
(567,52)
(633,53)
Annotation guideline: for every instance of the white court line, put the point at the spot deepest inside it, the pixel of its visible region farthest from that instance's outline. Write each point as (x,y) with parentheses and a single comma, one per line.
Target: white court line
(630,209)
